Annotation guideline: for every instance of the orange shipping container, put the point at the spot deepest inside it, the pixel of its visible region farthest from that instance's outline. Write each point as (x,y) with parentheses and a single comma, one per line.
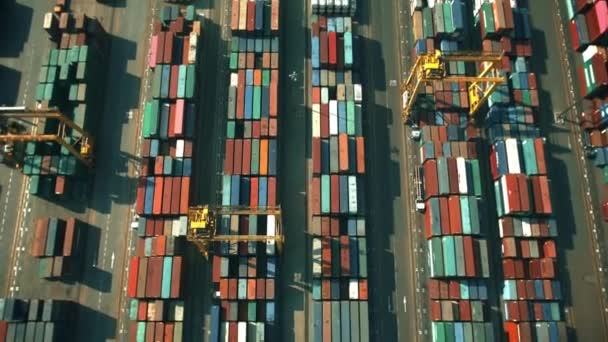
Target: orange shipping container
(360,155)
(234,21)
(263,156)
(343,151)
(184,196)
(257,77)
(158,195)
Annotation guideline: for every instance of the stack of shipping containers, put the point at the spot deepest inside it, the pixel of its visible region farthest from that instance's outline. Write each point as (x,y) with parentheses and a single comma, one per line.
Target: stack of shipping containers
(70,74)
(452,188)
(338,226)
(530,287)
(56,244)
(155,271)
(246,272)
(589,36)
(35,320)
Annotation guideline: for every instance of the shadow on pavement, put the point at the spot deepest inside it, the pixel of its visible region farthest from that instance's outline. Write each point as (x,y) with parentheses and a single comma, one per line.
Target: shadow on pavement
(90,274)
(15,23)
(10,79)
(382,164)
(104,325)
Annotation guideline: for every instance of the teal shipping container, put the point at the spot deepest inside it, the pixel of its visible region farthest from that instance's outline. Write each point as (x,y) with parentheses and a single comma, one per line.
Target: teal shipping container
(167,273)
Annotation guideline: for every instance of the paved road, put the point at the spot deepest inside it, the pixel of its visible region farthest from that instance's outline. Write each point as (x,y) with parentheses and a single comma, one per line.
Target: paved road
(390,160)
(105,201)
(578,270)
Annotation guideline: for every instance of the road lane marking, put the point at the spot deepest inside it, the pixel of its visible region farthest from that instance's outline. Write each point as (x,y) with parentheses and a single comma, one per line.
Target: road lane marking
(4,211)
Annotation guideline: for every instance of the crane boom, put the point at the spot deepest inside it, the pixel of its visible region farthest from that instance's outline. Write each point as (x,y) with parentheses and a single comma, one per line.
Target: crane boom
(429,67)
(81,148)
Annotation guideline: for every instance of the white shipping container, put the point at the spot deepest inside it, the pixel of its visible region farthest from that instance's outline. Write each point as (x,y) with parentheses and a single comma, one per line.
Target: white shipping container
(48,20)
(513,161)
(505,195)
(324,95)
(358,93)
(316,120)
(333,117)
(192,48)
(270,231)
(353,289)
(589,52)
(463,186)
(316,257)
(183,225)
(526,228)
(179,311)
(242,331)
(224,331)
(179,148)
(352,194)
(234,79)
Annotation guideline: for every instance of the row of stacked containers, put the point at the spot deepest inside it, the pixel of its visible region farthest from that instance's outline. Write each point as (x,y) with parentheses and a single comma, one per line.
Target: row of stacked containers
(530,288)
(246,272)
(589,36)
(338,224)
(70,73)
(454,222)
(460,288)
(156,310)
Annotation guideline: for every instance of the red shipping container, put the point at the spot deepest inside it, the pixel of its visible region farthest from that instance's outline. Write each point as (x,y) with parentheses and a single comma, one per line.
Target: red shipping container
(269,288)
(185,49)
(160,48)
(335,194)
(168,54)
(154,277)
(229,157)
(159,331)
(435,309)
(246,167)
(233,329)
(334,226)
(325,121)
(169,332)
(250,16)
(325,289)
(344,256)
(142,310)
(215,274)
(469,256)
(360,155)
(464,307)
(549,250)
(260,288)
(316,155)
(176,274)
(158,194)
(173,81)
(325,226)
(326,256)
(167,183)
(179,117)
(234,19)
(333,58)
(327,321)
(524,313)
(133,273)
(455,218)
(272,192)
(175,194)
(224,288)
(454,289)
(363,289)
(430,177)
(158,165)
(240,95)
(343,151)
(433,288)
(316,196)
(238,156)
(316,95)
(251,289)
(184,196)
(323,47)
(253,193)
(444,289)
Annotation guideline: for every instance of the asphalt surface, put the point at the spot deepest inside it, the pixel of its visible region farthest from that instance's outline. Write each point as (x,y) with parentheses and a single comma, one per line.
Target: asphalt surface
(106,199)
(395,291)
(578,267)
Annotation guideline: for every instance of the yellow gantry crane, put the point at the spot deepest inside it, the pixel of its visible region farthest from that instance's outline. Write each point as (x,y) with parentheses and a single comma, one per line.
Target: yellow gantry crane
(202,226)
(428,68)
(81,148)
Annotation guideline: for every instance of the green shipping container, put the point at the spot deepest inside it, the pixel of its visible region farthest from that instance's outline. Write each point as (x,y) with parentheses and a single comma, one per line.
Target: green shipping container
(43,74)
(450,335)
(476,177)
(255,156)
(438,331)
(458,244)
(226,191)
(45,267)
(477,311)
(475,218)
(81,69)
(53,57)
(447,18)
(345,320)
(73,93)
(354,321)
(488,17)
(141,332)
(316,289)
(427,23)
(64,72)
(251,311)
(40,91)
(449,255)
(335,321)
(436,257)
(133,307)
(435,216)
(51,74)
(166,282)
(234,44)
(350,118)
(362,244)
(498,196)
(529,154)
(442,175)
(181,81)
(34,185)
(257,102)
(479,333)
(266,78)
(234,60)
(325,194)
(190,80)
(83,53)
(62,57)
(156,82)
(230,127)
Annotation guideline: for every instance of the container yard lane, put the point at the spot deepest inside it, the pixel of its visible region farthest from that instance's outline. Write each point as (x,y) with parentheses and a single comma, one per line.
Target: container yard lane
(395,293)
(583,292)
(105,200)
